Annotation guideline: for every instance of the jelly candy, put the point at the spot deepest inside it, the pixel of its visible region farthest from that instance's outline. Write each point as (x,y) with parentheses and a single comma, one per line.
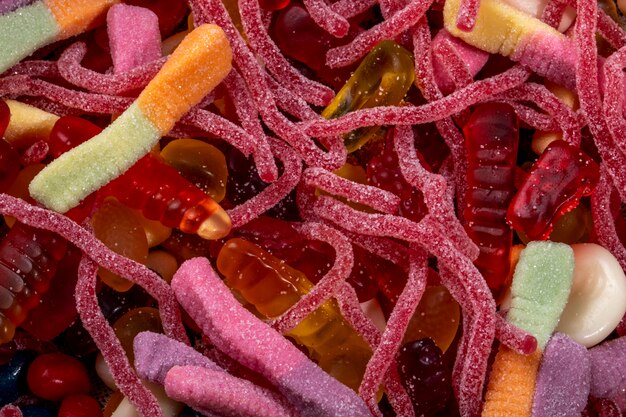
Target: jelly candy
(134,322)
(200,163)
(271,5)
(491,139)
(119,228)
(53,376)
(272,287)
(68,132)
(382,79)
(80,405)
(13,377)
(161,193)
(28,260)
(424,376)
(9,164)
(559,178)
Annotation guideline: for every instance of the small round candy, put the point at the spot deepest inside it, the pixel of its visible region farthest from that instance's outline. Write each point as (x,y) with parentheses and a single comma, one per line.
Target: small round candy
(597,301)
(80,405)
(53,376)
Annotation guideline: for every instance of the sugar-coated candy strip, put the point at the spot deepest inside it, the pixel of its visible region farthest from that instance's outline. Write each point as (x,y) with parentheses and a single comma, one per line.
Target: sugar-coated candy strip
(145,43)
(434,186)
(113,84)
(466,17)
(276,63)
(35,69)
(92,247)
(410,115)
(511,384)
(563,381)
(359,193)
(274,192)
(326,18)
(351,8)
(28,28)
(589,94)
(104,337)
(540,288)
(63,183)
(156,354)
(613,103)
(396,327)
(603,222)
(236,332)
(344,55)
(607,368)
(514,338)
(610,30)
(351,310)
(10,410)
(290,102)
(219,392)
(339,272)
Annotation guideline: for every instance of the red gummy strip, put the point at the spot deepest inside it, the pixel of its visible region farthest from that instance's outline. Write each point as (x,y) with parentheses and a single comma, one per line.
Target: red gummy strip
(10,411)
(104,337)
(453,65)
(236,332)
(35,153)
(613,100)
(439,202)
(553,12)
(47,69)
(608,362)
(480,331)
(338,273)
(607,408)
(468,10)
(390,7)
(326,18)
(92,247)
(388,29)
(276,63)
(351,8)
(290,102)
(398,397)
(374,197)
(409,115)
(396,327)
(112,84)
(352,312)
(275,192)
(589,94)
(385,248)
(213,11)
(219,392)
(514,338)
(89,103)
(532,117)
(603,222)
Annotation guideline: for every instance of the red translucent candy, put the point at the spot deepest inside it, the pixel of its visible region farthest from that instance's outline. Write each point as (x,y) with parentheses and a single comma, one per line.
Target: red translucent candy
(5,117)
(69,132)
(9,164)
(491,140)
(557,181)
(162,194)
(271,5)
(425,376)
(80,405)
(54,376)
(28,260)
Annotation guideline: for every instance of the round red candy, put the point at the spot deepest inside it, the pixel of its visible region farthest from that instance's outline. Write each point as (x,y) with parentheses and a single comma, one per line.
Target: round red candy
(54,376)
(80,405)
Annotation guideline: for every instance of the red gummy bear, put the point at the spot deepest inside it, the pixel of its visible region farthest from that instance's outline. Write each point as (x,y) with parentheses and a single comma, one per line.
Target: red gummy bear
(557,181)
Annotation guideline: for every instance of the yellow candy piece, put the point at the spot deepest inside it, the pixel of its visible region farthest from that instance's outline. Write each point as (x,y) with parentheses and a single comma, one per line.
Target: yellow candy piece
(28,124)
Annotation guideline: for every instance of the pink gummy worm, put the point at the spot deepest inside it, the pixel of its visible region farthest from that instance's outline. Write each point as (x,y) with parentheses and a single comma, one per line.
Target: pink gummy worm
(105,339)
(238,333)
(326,18)
(603,221)
(217,391)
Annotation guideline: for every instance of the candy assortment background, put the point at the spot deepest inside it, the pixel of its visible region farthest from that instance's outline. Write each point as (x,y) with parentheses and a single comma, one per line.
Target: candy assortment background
(387,208)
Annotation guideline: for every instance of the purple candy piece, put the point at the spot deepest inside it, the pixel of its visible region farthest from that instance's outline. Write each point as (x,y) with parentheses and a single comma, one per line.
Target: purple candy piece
(134,36)
(608,365)
(238,333)
(156,354)
(7,6)
(564,378)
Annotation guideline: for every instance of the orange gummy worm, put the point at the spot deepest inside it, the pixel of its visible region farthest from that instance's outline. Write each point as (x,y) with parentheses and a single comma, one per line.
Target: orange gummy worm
(76,16)
(196,67)
(511,384)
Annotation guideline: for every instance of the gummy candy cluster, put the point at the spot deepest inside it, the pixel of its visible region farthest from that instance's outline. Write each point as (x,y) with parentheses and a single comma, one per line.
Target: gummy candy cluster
(312,208)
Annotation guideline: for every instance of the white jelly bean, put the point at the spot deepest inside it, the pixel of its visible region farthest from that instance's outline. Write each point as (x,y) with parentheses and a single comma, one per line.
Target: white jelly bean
(374,312)
(597,301)
(169,407)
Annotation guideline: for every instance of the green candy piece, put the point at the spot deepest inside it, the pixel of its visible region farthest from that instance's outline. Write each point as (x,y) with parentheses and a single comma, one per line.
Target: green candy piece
(541,286)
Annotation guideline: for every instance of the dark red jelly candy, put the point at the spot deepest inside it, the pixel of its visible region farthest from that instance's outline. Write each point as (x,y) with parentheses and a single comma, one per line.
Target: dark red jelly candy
(424,376)
(5,117)
(557,181)
(491,140)
(271,5)
(54,376)
(80,405)
(68,132)
(9,164)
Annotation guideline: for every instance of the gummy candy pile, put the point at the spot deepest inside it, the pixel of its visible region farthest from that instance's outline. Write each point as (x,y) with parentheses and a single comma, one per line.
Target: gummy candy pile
(312,208)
